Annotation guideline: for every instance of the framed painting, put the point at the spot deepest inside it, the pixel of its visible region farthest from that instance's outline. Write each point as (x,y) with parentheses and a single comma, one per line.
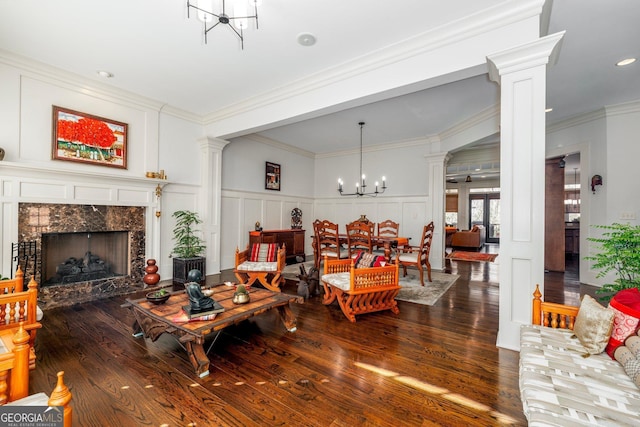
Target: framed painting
(272,176)
(85,138)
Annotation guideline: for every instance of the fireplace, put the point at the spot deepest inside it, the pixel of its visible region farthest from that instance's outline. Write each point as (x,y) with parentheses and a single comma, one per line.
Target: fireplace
(87,252)
(80,257)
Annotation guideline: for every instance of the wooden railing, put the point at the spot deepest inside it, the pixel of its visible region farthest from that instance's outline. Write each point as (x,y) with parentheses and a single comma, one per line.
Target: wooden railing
(551,314)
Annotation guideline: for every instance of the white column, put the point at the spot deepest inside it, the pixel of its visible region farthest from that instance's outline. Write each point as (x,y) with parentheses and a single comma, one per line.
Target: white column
(521,74)
(210,198)
(436,167)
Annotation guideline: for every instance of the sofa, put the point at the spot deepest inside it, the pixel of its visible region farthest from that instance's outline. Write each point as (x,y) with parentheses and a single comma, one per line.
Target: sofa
(564,381)
(471,239)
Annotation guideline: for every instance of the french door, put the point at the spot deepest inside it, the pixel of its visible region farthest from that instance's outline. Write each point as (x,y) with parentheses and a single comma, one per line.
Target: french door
(485,211)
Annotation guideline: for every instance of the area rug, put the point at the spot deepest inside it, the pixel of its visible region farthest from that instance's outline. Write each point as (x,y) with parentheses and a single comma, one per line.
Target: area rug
(412,290)
(472,256)
(430,293)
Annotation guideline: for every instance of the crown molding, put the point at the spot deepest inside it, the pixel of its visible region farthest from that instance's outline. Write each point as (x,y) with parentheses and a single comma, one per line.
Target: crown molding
(469,123)
(277,144)
(58,77)
(482,22)
(626,108)
(413,142)
(576,120)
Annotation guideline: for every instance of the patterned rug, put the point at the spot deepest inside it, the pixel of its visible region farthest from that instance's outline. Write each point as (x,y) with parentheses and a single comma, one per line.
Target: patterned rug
(412,290)
(430,293)
(472,256)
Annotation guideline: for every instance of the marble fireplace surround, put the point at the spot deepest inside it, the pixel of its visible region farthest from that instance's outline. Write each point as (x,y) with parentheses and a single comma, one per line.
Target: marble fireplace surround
(37,199)
(37,218)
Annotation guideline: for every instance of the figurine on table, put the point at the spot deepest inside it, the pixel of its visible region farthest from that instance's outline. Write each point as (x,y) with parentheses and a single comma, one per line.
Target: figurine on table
(197,299)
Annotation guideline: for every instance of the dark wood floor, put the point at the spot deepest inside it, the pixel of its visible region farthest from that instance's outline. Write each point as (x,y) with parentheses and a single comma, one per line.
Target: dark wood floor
(435,365)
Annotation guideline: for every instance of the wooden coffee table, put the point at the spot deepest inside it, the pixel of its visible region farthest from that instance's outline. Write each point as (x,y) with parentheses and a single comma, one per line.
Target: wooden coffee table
(153,320)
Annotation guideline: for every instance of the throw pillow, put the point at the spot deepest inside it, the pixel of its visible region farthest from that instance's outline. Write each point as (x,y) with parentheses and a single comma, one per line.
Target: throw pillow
(263,252)
(626,305)
(364,260)
(630,363)
(593,325)
(379,260)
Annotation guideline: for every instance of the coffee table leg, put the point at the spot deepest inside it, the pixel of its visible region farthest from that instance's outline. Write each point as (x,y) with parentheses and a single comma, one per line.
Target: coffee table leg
(288,318)
(198,358)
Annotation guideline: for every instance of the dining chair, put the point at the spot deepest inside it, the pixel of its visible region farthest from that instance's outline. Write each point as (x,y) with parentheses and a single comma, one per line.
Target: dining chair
(417,256)
(327,241)
(359,237)
(387,228)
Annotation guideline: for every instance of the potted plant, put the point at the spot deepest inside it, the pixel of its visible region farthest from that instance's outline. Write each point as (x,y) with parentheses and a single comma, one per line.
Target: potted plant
(619,252)
(188,252)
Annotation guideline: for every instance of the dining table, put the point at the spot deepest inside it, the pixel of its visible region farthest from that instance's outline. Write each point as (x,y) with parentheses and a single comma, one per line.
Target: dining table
(389,243)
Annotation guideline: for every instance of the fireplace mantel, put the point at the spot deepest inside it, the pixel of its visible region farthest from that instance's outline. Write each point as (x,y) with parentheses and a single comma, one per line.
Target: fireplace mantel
(22,182)
(34,170)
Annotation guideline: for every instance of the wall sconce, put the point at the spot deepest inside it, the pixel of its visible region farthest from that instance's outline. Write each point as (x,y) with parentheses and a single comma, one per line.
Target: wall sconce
(595,180)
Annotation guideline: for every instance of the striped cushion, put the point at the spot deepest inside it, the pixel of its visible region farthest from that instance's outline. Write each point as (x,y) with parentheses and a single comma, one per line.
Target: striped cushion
(263,252)
(258,266)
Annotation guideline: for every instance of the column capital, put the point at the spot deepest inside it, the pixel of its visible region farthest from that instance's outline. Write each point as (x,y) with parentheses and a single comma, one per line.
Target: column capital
(542,51)
(212,143)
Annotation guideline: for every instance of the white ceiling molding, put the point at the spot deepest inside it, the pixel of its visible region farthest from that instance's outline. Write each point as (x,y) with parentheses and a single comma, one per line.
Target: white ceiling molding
(457,32)
(277,144)
(61,78)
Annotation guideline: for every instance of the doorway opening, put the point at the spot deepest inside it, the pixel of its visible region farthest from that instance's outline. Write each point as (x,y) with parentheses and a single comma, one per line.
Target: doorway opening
(484,209)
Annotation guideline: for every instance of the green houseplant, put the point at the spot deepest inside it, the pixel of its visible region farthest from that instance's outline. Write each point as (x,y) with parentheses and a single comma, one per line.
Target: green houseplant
(189,246)
(619,252)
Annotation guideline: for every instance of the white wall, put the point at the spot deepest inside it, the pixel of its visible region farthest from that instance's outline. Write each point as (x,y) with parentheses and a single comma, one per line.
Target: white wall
(155,141)
(608,144)
(245,199)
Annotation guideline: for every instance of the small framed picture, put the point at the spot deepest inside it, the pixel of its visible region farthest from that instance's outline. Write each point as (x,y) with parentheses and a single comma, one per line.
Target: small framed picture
(272,176)
(85,138)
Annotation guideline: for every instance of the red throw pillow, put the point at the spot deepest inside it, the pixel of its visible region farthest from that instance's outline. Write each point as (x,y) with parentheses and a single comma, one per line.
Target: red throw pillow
(626,305)
(263,252)
(379,260)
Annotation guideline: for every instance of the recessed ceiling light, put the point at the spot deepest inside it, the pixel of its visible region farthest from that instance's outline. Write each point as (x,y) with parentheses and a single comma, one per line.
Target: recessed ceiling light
(105,74)
(306,39)
(626,61)
(548,110)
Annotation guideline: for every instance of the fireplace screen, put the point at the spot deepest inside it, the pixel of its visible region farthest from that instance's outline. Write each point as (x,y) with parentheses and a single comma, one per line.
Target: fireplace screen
(84,256)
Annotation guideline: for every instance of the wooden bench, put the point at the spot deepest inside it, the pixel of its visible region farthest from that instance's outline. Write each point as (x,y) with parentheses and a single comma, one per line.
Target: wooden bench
(560,385)
(14,366)
(19,306)
(60,396)
(360,290)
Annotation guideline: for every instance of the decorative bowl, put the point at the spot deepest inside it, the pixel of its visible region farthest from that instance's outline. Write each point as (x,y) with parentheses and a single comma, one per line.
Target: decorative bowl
(240,298)
(157,297)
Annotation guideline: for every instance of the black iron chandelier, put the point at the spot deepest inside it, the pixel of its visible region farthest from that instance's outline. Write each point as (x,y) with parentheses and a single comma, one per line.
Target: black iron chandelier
(211,20)
(361,187)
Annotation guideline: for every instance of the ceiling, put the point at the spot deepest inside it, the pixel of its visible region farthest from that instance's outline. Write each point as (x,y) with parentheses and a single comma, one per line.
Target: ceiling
(153,49)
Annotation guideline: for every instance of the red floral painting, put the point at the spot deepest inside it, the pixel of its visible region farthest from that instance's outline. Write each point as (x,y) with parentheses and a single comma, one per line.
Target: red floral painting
(80,137)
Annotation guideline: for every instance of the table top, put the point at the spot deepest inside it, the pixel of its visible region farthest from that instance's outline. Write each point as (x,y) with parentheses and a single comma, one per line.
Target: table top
(171,311)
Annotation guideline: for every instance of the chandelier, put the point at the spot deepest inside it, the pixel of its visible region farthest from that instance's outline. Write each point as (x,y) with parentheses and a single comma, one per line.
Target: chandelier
(240,18)
(361,187)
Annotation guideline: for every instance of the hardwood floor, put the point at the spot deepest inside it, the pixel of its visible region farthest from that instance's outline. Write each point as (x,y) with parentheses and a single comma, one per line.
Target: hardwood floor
(436,365)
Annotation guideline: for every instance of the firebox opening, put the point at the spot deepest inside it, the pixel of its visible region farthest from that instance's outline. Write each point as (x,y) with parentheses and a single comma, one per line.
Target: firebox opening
(84,256)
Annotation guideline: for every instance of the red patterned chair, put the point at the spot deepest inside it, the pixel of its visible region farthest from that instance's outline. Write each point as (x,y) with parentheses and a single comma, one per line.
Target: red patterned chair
(262,262)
